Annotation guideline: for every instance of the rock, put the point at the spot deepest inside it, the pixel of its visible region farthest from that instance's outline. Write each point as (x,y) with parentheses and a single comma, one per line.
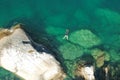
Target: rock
(115,56)
(85,72)
(110,71)
(71,51)
(70,66)
(85,67)
(114,71)
(107,56)
(18,55)
(100,56)
(85,38)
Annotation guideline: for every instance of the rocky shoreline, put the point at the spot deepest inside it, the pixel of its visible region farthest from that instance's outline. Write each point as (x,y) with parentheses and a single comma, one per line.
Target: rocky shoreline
(79,60)
(20,57)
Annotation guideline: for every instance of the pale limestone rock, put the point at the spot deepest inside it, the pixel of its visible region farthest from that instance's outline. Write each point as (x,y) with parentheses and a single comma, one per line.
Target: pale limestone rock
(86,72)
(24,60)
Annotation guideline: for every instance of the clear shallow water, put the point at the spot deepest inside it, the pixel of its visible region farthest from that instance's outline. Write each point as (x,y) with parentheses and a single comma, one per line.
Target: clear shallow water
(6,75)
(48,20)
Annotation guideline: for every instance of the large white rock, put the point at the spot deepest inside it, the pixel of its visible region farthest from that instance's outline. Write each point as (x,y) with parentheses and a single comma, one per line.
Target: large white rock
(20,57)
(86,72)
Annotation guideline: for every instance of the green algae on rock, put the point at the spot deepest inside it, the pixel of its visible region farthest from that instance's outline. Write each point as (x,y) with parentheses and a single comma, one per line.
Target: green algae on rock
(100,56)
(71,66)
(85,38)
(71,51)
(115,56)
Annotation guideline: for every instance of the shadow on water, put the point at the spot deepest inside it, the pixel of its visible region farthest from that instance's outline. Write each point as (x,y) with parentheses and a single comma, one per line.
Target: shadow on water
(33,24)
(74,43)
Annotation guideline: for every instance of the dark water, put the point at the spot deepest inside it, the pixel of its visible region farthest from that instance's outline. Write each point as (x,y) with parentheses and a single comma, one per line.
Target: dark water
(48,20)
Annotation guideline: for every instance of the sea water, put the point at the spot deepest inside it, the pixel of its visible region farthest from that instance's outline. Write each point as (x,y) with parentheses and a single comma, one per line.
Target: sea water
(47,20)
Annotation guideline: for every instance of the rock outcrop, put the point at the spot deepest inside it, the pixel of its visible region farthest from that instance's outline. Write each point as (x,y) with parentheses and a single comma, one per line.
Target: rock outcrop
(85,38)
(84,72)
(85,68)
(100,57)
(18,55)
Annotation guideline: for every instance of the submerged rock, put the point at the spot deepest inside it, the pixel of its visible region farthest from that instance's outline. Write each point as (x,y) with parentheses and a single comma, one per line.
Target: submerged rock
(115,56)
(85,38)
(110,71)
(100,56)
(18,55)
(71,51)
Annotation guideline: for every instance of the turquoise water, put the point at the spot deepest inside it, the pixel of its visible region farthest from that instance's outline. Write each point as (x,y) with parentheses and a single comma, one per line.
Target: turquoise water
(48,20)
(6,75)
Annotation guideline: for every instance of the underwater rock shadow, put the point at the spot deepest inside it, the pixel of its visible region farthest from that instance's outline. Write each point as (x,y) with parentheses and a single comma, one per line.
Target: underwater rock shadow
(32,24)
(74,43)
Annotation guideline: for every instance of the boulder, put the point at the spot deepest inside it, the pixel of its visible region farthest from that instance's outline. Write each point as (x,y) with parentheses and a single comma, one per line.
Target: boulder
(84,71)
(71,51)
(85,38)
(100,56)
(19,55)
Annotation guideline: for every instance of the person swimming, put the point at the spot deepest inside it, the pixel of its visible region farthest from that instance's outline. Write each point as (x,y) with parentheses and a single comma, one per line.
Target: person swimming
(66,34)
